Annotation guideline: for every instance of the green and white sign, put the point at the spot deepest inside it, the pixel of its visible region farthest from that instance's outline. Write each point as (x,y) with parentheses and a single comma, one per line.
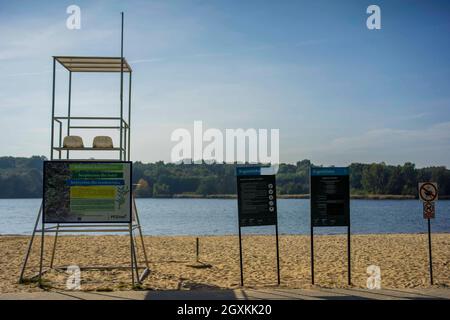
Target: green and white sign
(87,191)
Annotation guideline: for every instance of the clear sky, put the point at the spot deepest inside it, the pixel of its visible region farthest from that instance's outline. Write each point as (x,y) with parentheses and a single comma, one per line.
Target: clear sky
(338,92)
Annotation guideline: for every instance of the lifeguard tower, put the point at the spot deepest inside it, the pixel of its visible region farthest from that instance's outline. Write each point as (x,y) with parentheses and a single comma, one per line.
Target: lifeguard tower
(67,133)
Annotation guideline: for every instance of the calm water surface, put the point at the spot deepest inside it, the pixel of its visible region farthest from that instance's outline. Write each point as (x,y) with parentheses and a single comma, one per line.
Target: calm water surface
(219,217)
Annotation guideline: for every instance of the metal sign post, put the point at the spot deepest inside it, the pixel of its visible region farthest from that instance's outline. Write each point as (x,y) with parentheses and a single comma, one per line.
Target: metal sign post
(330,205)
(428,193)
(257,205)
(430,252)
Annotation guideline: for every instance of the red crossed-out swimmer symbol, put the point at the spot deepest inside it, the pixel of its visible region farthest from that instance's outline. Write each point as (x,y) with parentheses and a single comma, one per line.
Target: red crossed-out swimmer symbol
(428,191)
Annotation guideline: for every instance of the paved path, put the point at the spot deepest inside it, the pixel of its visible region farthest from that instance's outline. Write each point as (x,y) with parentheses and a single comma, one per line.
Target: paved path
(240,294)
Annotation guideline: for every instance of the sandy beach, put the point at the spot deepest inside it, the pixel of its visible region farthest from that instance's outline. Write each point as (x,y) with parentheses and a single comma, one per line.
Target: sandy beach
(403,260)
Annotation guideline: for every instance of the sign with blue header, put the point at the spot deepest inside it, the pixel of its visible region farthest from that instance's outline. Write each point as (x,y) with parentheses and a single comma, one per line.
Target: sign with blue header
(330,196)
(330,171)
(248,171)
(257,203)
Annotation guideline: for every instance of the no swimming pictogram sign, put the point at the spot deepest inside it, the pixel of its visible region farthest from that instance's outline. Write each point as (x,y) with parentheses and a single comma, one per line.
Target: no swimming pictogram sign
(428,191)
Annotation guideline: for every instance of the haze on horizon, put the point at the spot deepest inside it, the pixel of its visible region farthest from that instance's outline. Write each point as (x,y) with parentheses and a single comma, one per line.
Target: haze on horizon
(338,92)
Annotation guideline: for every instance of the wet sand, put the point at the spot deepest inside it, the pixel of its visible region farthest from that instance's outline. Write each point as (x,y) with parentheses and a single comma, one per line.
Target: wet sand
(403,259)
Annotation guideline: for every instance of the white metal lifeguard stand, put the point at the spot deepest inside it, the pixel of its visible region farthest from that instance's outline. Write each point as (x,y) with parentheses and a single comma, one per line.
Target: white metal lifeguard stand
(118,153)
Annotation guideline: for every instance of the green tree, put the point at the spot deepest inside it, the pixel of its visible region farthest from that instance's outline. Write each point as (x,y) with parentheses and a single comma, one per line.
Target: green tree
(207,186)
(161,190)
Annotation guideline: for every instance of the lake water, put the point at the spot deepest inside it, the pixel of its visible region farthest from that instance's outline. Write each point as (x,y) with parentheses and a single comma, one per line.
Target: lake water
(219,217)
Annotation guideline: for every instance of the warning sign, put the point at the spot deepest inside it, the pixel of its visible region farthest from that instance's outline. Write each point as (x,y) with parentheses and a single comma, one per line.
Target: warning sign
(428,210)
(428,191)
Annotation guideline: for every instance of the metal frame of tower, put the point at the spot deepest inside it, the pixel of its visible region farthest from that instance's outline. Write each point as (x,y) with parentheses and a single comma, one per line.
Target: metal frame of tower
(74,64)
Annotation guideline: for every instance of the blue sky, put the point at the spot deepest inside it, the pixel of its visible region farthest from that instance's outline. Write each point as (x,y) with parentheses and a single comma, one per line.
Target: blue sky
(338,92)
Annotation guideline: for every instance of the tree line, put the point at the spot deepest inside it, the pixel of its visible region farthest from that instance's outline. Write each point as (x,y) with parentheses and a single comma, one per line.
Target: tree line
(22,178)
